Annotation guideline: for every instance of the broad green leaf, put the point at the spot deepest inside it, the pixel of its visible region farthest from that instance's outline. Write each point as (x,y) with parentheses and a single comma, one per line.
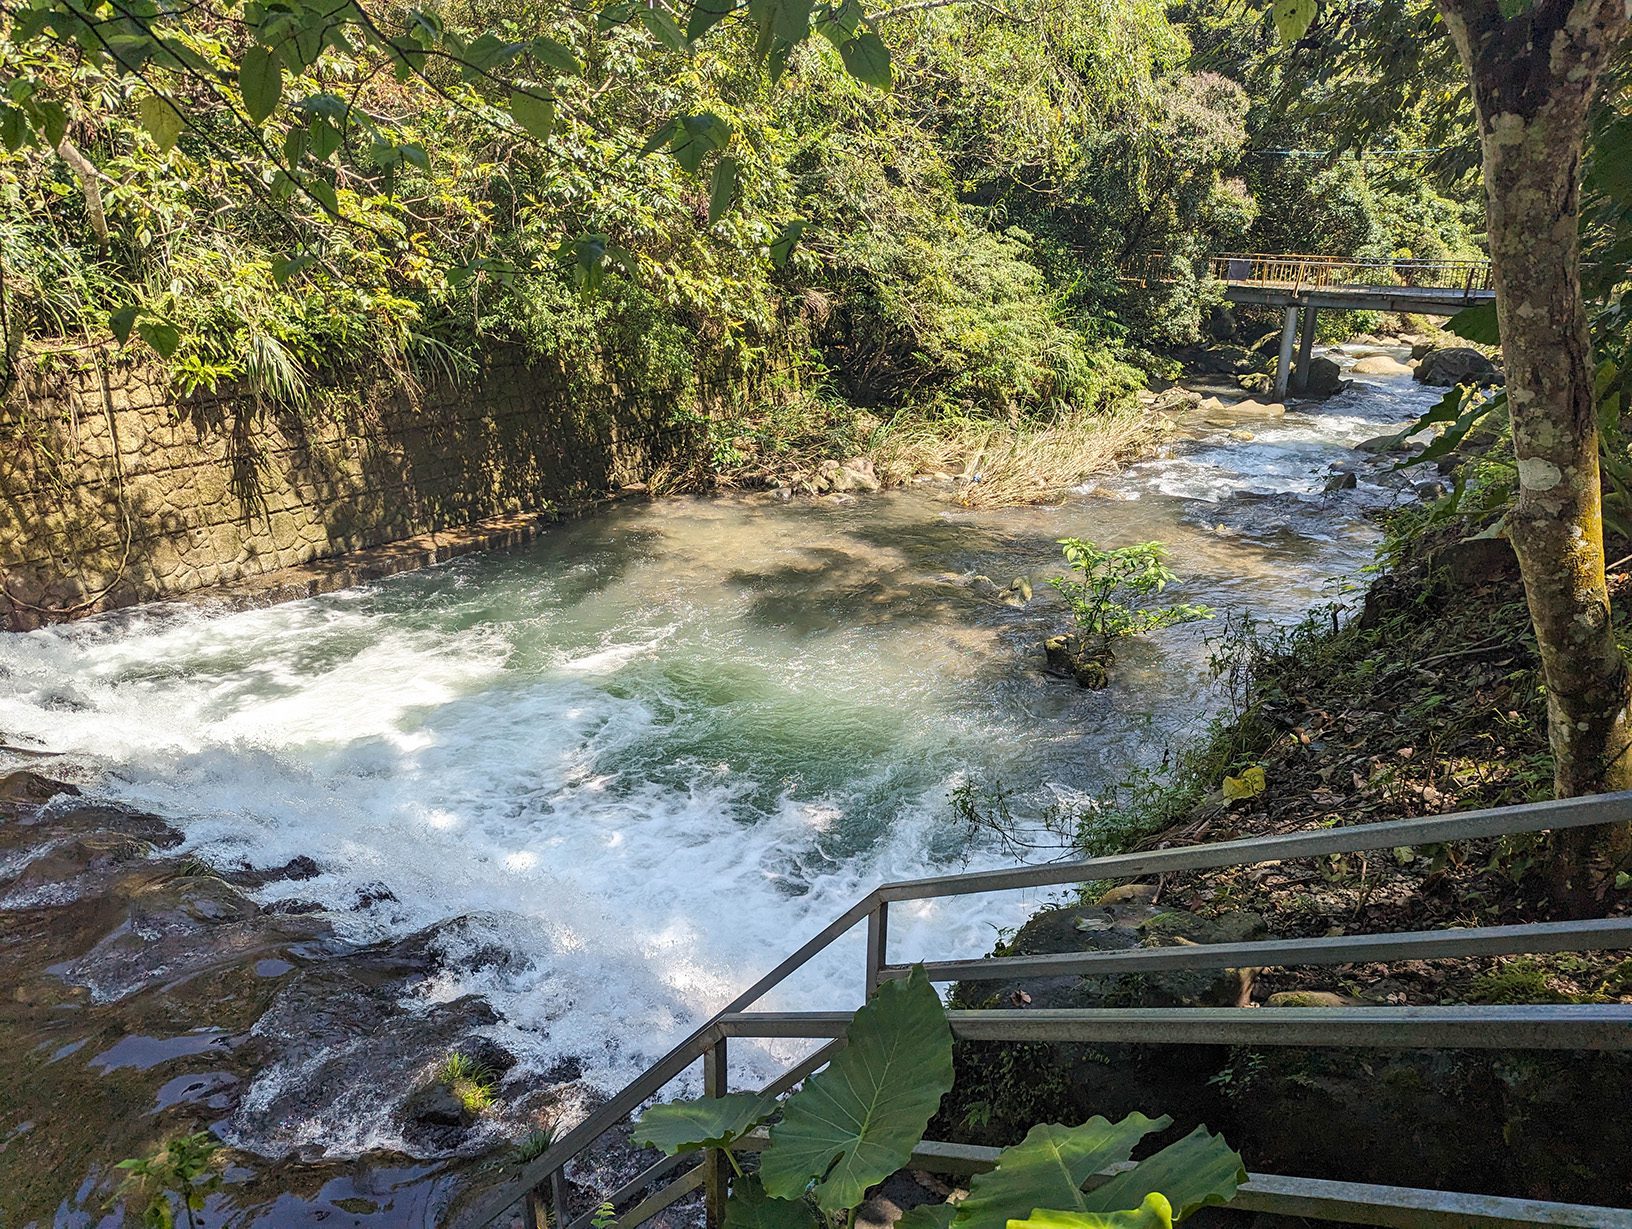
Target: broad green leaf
(696,137)
(857,1121)
(13,128)
(533,112)
(161,119)
(285,267)
(163,336)
(660,138)
(53,122)
(122,321)
(552,54)
(866,58)
(664,28)
(1154,1213)
(838,23)
(928,1216)
(749,1207)
(1292,18)
(1048,1167)
(1514,8)
(705,15)
(705,1122)
(260,81)
(1198,1171)
(324,194)
(1476,324)
(722,191)
(788,20)
(782,246)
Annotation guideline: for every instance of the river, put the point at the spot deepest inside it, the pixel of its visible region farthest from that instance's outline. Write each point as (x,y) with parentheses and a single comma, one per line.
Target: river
(651,752)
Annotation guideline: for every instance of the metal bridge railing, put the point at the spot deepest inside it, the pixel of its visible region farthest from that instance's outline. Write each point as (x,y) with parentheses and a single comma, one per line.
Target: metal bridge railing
(540,1184)
(1298,272)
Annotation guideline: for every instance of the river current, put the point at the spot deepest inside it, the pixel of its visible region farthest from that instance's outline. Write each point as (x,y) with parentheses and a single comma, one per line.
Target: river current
(652,752)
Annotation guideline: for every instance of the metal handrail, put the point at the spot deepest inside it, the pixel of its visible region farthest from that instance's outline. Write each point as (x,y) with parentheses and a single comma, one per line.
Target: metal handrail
(1302,271)
(1539,1027)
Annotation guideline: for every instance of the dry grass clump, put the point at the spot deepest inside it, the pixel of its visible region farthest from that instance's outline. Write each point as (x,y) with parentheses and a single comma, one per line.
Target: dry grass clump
(1007,464)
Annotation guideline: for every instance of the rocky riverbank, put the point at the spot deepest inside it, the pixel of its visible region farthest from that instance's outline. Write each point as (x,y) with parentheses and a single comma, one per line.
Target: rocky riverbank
(151,996)
(1427,702)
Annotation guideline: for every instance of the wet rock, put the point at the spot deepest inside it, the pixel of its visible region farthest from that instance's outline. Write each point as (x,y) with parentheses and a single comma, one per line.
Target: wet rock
(1242,436)
(31,788)
(1256,381)
(1070,656)
(434,1118)
(1455,365)
(1430,489)
(296,869)
(1380,365)
(487,1053)
(1345,481)
(1384,443)
(1422,349)
(1325,379)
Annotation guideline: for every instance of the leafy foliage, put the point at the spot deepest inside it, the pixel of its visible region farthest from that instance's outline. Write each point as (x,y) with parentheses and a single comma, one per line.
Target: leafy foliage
(1105,601)
(185,1170)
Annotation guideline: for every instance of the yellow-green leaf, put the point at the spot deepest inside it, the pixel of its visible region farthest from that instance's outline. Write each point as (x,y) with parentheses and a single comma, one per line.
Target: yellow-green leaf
(1249,784)
(161,119)
(260,81)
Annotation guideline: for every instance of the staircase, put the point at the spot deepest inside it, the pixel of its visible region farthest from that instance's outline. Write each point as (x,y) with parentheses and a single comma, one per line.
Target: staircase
(540,1187)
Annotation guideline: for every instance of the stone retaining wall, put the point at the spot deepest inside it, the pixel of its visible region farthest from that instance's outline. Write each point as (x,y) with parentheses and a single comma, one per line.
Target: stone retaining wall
(113,490)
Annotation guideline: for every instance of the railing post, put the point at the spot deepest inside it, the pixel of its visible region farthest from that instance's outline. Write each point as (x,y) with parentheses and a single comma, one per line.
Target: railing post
(878,938)
(535,1215)
(716,1174)
(558,1198)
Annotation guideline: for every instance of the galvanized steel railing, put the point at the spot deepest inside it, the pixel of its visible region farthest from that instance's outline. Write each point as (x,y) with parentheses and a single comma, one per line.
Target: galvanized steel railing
(540,1184)
(1299,272)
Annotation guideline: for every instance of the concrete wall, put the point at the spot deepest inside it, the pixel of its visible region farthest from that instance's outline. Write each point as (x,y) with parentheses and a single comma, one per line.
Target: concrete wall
(114,490)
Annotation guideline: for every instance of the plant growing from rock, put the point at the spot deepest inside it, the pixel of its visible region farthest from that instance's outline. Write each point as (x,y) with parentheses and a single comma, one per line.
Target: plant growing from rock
(857,1122)
(185,1169)
(1110,594)
(468,1080)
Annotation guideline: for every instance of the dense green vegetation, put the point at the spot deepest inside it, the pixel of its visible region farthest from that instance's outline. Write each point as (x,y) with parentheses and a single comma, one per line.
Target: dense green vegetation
(947,248)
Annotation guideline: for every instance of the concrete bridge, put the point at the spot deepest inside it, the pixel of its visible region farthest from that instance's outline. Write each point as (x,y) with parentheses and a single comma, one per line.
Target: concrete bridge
(1302,285)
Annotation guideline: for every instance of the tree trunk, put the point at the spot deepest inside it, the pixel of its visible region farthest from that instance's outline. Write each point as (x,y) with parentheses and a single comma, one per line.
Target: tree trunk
(1533,80)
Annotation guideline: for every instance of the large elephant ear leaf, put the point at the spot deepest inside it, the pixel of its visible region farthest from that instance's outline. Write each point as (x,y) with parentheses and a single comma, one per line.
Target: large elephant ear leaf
(1198,1170)
(706,1122)
(749,1207)
(1154,1213)
(1047,1170)
(928,1216)
(857,1122)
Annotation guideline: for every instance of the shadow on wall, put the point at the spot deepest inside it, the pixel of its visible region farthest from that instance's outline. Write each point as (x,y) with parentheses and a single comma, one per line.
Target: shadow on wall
(113,490)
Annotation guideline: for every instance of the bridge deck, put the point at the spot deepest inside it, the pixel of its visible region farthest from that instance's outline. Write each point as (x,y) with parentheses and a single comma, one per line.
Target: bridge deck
(1423,300)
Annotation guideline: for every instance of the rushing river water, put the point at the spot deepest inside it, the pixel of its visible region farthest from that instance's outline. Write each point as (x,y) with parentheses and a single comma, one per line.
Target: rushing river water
(652,752)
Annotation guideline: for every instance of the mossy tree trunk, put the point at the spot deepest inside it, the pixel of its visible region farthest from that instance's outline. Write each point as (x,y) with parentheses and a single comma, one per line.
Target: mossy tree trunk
(1533,77)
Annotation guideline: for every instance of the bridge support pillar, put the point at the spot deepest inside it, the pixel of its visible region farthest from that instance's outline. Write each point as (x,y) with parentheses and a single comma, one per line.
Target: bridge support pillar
(1306,346)
(1289,336)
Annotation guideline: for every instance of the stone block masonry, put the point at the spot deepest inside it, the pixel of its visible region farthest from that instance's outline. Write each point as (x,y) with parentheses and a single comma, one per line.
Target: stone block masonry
(115,490)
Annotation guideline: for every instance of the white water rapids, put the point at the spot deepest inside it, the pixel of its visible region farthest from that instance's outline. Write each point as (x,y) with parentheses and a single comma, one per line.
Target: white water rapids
(647,756)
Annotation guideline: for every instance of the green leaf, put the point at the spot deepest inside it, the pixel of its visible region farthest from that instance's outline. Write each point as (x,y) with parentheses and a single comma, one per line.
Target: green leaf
(867,59)
(784,243)
(697,137)
(1514,8)
(928,1216)
(1048,1167)
(705,1122)
(260,81)
(534,113)
(163,336)
(1198,1171)
(839,23)
(722,190)
(324,194)
(788,20)
(285,267)
(666,30)
(121,322)
(1292,18)
(13,128)
(1476,324)
(53,122)
(749,1207)
(857,1121)
(552,54)
(705,15)
(161,119)
(1154,1213)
